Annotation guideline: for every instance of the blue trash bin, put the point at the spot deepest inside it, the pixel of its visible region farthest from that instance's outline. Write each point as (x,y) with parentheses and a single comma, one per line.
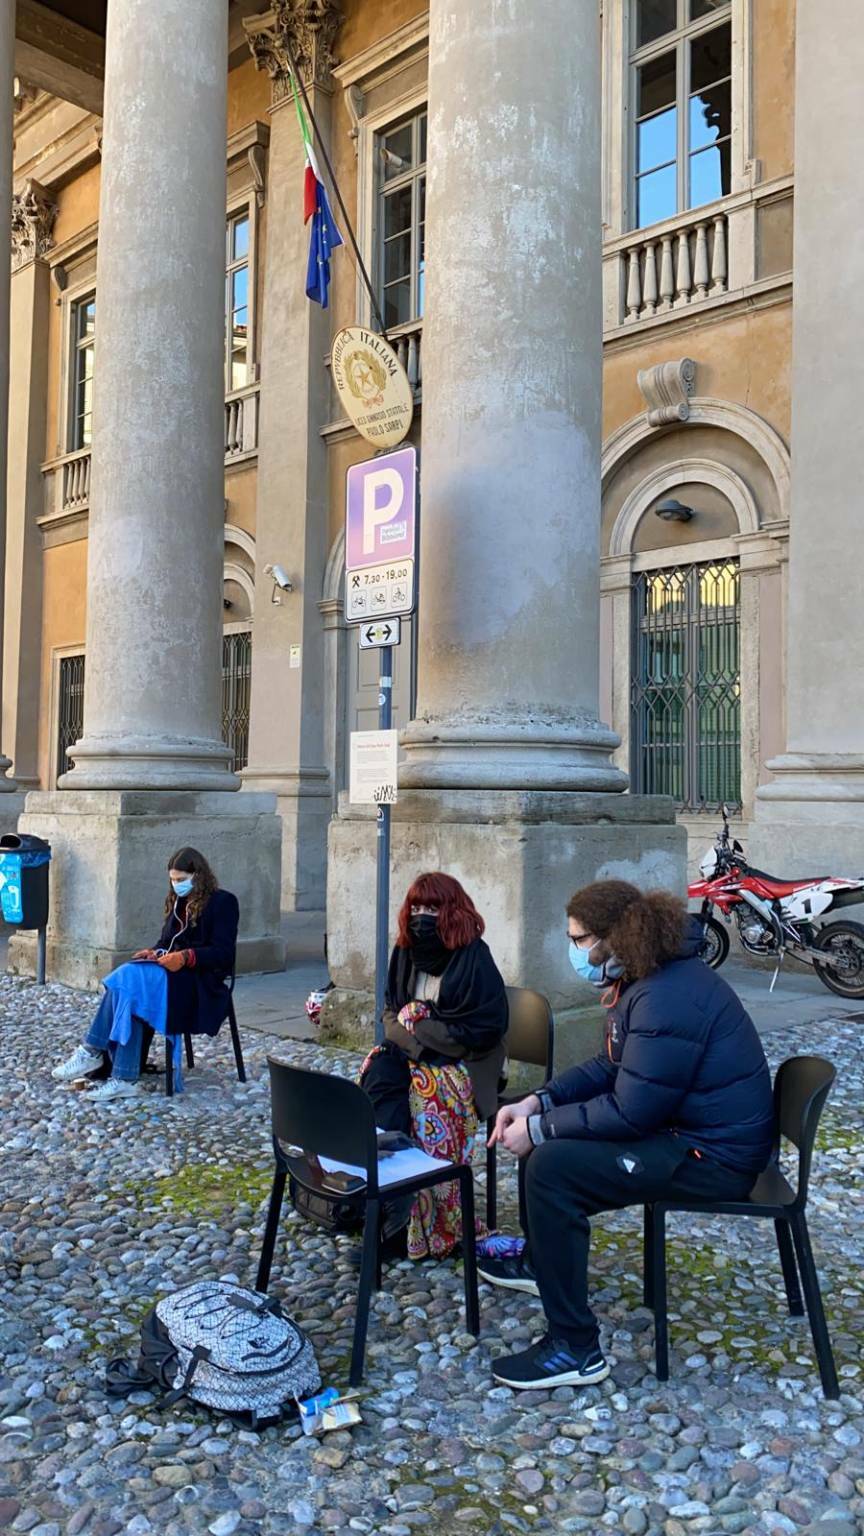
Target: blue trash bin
(24,862)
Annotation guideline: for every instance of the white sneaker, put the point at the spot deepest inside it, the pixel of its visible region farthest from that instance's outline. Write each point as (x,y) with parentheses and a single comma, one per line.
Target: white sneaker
(112,1091)
(81,1063)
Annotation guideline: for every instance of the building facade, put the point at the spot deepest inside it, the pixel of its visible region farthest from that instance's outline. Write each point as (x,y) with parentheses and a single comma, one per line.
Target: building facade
(715,669)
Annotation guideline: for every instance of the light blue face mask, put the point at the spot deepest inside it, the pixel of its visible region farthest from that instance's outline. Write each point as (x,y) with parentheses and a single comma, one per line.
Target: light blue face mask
(581,963)
(183,887)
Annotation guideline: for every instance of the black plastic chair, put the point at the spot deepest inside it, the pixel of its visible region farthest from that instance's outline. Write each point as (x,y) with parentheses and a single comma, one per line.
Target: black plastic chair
(190,1054)
(530,1039)
(801,1087)
(328,1116)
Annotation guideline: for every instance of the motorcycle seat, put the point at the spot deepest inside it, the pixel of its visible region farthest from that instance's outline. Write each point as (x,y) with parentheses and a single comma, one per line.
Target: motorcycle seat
(762,874)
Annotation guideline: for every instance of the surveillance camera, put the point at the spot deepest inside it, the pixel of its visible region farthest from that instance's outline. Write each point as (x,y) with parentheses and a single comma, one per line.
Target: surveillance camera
(280,576)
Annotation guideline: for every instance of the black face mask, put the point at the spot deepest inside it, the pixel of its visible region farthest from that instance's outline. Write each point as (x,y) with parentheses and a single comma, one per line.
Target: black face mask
(428,951)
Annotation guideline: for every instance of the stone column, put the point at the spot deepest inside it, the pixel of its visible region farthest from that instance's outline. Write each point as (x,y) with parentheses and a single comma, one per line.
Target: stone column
(152,705)
(151,768)
(509,601)
(33,217)
(7,69)
(287,730)
(811,817)
(508,780)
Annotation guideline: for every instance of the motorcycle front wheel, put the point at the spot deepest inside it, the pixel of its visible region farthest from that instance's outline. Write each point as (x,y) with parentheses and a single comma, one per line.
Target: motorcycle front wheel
(716,944)
(844,973)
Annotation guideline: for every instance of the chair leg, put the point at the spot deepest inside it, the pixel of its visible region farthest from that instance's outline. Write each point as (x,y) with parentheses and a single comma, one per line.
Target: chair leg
(235,1041)
(190,1054)
(169,1066)
(491,1180)
(647,1251)
(469,1250)
(271,1230)
(789,1267)
(368,1265)
(658,1291)
(815,1310)
(523,1204)
(146,1042)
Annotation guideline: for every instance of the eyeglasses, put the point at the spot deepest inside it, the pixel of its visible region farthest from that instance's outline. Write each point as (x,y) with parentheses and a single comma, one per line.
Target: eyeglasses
(579,939)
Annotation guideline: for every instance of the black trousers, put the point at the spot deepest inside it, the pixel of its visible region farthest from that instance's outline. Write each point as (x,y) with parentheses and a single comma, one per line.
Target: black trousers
(567,1181)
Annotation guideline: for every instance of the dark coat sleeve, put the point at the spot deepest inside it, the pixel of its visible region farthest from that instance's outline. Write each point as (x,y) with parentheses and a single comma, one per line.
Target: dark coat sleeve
(583,1082)
(216,949)
(658,1064)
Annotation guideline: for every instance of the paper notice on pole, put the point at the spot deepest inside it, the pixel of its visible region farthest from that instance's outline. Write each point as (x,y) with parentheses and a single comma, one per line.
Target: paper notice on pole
(374,756)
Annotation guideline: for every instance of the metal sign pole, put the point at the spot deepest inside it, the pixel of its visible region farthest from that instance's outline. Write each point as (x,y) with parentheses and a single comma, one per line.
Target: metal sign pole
(382,901)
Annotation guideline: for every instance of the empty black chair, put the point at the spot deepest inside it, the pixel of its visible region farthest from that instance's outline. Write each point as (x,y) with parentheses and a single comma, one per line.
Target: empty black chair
(317,1115)
(530,1038)
(801,1087)
(190,1054)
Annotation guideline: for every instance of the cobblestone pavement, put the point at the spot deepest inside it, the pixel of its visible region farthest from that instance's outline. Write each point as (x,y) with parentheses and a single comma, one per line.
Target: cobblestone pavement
(101,1212)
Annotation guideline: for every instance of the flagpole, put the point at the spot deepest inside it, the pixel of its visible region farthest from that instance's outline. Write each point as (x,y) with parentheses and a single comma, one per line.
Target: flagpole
(335,185)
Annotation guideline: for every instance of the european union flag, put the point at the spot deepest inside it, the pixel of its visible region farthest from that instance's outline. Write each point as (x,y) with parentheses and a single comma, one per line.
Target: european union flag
(324,239)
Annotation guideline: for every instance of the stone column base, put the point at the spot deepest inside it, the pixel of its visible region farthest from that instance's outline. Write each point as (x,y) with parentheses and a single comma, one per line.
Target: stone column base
(11,806)
(810,820)
(520,854)
(110,852)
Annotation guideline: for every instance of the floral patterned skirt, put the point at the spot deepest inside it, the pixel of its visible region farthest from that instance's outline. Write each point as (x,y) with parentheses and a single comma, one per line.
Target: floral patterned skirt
(444,1121)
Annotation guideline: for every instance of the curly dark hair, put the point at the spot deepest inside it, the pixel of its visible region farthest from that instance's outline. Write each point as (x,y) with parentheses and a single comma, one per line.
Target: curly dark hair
(192,863)
(642,929)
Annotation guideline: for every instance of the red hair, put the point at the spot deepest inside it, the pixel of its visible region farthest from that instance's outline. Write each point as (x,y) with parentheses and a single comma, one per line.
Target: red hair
(459,922)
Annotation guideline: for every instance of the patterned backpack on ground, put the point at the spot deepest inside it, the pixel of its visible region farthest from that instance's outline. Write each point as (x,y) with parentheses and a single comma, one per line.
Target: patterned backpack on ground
(223,1346)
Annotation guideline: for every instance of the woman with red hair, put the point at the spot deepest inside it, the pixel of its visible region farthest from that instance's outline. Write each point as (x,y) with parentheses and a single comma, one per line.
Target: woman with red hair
(436,1077)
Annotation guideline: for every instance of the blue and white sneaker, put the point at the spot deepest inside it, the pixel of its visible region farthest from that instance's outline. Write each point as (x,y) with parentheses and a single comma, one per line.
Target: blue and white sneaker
(551,1362)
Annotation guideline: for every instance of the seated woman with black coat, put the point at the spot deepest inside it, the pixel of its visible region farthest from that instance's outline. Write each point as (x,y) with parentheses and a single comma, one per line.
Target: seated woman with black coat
(180,988)
(437,1075)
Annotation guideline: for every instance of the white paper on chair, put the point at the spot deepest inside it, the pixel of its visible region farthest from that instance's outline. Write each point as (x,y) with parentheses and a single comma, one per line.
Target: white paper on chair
(407,1164)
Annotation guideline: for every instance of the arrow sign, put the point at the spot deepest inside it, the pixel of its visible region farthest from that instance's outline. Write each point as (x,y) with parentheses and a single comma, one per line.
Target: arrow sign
(374,636)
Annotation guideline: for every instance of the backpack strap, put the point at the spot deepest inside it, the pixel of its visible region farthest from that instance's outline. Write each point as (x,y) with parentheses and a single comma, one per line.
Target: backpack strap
(199,1353)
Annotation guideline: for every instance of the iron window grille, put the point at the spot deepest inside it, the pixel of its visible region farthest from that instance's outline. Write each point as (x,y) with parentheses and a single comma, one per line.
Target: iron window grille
(685,703)
(236,688)
(70,708)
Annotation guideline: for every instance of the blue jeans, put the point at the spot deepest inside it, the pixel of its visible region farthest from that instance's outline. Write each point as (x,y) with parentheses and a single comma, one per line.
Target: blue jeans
(125,1059)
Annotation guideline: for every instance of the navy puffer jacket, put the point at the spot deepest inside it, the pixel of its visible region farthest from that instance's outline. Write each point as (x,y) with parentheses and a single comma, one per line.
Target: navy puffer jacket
(681,1055)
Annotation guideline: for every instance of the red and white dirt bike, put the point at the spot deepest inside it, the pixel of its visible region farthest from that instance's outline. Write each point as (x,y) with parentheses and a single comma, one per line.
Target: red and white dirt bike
(776,918)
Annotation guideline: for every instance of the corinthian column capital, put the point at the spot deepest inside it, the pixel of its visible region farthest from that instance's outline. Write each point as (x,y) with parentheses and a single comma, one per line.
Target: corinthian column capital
(305,27)
(33,215)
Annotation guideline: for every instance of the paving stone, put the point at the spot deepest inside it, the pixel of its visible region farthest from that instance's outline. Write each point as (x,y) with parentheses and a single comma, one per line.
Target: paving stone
(109,1214)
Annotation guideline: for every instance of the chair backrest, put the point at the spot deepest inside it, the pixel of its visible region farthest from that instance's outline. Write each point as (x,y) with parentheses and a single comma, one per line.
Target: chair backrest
(531,1029)
(325,1115)
(801,1086)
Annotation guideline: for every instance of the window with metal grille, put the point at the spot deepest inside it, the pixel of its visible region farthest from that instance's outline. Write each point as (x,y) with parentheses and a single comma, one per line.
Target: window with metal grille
(236,686)
(685,702)
(70,708)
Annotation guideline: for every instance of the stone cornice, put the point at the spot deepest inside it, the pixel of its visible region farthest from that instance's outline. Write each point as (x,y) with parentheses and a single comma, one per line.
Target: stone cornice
(305,27)
(33,215)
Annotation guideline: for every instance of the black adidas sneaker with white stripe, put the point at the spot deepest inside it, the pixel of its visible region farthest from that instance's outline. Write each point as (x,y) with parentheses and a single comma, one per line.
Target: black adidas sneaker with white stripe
(551,1362)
